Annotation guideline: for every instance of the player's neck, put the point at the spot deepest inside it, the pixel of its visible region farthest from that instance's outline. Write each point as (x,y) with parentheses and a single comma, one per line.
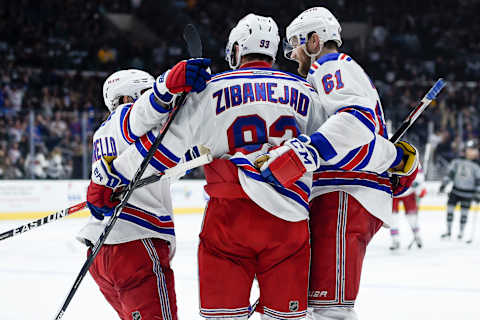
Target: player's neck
(325,51)
(255,64)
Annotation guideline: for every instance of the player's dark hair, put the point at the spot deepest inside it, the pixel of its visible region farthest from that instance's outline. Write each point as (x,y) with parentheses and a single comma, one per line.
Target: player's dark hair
(257,56)
(330,44)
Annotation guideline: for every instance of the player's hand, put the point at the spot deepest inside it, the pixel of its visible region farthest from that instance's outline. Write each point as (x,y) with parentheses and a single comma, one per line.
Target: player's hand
(409,159)
(105,181)
(400,184)
(283,165)
(185,76)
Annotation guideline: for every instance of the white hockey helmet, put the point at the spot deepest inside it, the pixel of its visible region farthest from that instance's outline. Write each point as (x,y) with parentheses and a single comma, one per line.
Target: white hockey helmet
(129,82)
(319,20)
(253,34)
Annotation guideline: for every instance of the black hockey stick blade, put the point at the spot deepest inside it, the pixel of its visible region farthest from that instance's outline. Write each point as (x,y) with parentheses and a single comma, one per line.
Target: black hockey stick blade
(193,41)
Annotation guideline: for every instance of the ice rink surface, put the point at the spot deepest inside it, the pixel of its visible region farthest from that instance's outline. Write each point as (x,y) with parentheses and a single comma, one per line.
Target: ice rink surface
(440,281)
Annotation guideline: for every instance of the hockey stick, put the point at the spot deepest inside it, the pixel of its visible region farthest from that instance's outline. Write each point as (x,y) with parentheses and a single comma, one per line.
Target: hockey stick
(407,122)
(194,47)
(474,226)
(40,222)
(417,111)
(168,173)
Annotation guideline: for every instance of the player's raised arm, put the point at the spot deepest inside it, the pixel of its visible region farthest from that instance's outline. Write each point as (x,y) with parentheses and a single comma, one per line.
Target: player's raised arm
(152,99)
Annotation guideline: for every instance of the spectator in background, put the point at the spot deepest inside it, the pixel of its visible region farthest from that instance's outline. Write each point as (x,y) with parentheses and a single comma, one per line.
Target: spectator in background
(10,170)
(36,165)
(55,168)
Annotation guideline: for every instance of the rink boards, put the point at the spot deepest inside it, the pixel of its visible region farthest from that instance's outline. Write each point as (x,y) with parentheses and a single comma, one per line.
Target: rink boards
(30,199)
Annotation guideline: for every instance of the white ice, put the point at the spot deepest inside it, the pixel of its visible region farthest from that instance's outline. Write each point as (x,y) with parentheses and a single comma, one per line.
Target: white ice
(440,281)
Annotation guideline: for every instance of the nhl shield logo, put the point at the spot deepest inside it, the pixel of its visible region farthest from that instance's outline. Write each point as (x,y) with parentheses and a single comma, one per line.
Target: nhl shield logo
(293,305)
(136,315)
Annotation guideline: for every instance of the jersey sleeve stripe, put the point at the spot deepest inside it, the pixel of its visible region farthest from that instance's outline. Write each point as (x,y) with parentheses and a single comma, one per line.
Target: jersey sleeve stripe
(121,176)
(158,107)
(154,162)
(159,154)
(146,224)
(298,191)
(362,114)
(127,133)
(162,148)
(323,146)
(342,162)
(367,158)
(331,178)
(357,159)
(149,217)
(383,128)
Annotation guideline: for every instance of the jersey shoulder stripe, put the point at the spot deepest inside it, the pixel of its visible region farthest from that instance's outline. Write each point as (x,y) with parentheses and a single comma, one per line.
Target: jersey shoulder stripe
(127,133)
(254,73)
(328,57)
(365,115)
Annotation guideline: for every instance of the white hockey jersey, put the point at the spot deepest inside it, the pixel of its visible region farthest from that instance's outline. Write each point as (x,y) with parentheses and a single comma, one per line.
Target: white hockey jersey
(237,116)
(148,213)
(355,128)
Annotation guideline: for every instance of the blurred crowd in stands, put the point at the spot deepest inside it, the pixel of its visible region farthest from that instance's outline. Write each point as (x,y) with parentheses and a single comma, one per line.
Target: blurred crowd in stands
(54,56)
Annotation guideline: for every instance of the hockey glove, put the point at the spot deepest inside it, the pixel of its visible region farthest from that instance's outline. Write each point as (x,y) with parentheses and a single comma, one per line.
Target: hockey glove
(185,76)
(400,184)
(283,165)
(102,186)
(407,159)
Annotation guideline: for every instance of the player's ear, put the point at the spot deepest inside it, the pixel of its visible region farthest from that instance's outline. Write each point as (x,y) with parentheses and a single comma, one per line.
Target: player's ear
(235,53)
(314,44)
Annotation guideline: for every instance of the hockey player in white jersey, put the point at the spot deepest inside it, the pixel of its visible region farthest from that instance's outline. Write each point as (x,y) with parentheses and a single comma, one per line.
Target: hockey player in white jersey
(238,117)
(251,228)
(133,269)
(347,208)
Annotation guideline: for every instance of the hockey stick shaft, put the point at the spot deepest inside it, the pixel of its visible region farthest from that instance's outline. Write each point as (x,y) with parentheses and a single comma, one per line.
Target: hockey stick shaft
(189,34)
(172,172)
(417,111)
(40,222)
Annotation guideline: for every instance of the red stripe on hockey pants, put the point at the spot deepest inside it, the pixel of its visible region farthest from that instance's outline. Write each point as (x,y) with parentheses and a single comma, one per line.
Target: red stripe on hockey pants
(136,279)
(239,240)
(340,232)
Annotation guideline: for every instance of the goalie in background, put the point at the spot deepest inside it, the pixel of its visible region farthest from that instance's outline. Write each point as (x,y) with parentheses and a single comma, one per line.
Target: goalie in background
(410,199)
(464,172)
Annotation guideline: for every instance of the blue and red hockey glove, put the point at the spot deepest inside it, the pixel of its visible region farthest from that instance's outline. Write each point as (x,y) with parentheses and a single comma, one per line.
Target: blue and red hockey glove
(185,76)
(105,181)
(285,164)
